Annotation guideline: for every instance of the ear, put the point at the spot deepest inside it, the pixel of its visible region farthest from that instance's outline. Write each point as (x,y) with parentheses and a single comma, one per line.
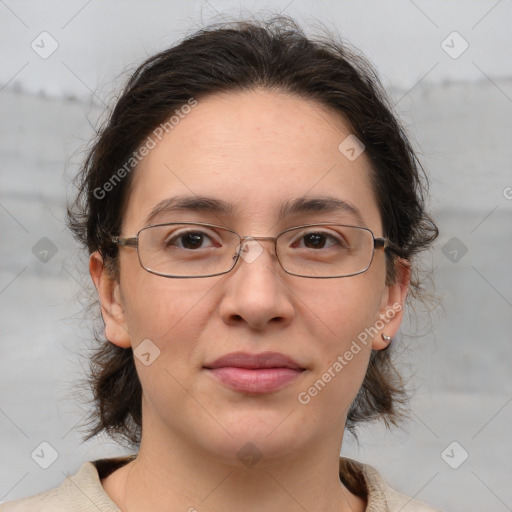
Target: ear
(112,310)
(392,306)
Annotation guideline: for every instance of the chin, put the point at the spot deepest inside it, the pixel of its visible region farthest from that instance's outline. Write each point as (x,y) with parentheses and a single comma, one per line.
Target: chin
(260,436)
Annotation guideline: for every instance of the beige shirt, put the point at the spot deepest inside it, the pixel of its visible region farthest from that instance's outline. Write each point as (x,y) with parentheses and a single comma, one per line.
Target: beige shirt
(83,491)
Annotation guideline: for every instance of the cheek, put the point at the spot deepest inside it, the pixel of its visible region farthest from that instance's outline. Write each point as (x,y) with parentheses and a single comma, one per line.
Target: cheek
(166,311)
(340,309)
(173,315)
(338,318)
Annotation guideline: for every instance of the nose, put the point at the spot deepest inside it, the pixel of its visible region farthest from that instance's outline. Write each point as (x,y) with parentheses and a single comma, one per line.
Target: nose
(256,294)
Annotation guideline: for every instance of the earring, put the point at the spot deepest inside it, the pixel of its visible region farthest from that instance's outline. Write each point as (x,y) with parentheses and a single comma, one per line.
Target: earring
(386,338)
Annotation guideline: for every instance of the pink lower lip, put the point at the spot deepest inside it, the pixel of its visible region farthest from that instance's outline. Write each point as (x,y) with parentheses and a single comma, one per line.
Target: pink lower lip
(262,380)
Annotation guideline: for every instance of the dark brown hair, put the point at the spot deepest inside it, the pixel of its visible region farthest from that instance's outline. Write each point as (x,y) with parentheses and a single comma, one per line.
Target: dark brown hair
(240,56)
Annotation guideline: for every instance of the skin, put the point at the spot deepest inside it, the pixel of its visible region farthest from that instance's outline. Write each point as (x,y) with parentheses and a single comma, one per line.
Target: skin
(254,150)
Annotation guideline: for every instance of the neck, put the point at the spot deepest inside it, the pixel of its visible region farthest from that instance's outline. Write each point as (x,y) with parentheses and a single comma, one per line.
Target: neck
(168,474)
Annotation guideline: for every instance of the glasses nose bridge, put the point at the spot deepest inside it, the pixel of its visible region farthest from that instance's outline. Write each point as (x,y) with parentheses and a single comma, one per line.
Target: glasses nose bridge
(248,238)
(269,238)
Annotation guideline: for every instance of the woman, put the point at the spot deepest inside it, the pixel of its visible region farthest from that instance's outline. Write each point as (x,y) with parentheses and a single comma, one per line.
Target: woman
(252,210)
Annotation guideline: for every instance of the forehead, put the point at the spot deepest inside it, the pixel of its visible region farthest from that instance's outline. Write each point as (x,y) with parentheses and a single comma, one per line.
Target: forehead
(256,152)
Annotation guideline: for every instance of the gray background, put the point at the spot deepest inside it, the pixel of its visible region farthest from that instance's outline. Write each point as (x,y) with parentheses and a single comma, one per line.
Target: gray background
(457,110)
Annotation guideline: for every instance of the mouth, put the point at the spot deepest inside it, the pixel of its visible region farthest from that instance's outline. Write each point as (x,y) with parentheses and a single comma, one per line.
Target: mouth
(255,373)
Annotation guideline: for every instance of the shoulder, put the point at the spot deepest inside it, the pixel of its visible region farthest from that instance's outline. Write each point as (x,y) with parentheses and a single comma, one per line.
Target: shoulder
(365,479)
(81,492)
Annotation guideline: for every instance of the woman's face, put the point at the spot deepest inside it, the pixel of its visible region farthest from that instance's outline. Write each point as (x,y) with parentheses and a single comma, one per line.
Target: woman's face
(255,152)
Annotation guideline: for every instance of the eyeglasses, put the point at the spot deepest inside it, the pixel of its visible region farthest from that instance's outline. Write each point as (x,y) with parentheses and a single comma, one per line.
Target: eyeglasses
(187,249)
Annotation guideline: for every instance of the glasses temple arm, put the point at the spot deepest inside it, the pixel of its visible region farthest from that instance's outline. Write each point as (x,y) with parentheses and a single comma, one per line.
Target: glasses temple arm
(125,242)
(384,243)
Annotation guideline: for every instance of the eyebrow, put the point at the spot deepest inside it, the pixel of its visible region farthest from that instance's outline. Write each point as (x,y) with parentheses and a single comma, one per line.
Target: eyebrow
(189,203)
(323,204)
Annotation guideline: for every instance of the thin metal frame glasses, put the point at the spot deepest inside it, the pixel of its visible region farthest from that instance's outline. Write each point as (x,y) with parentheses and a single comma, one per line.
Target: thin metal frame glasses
(320,250)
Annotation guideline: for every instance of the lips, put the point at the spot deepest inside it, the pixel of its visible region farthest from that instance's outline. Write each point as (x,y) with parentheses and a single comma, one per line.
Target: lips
(254,362)
(255,373)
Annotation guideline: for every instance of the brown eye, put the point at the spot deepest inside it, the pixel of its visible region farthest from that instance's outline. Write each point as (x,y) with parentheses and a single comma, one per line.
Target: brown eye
(190,240)
(319,240)
(314,241)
